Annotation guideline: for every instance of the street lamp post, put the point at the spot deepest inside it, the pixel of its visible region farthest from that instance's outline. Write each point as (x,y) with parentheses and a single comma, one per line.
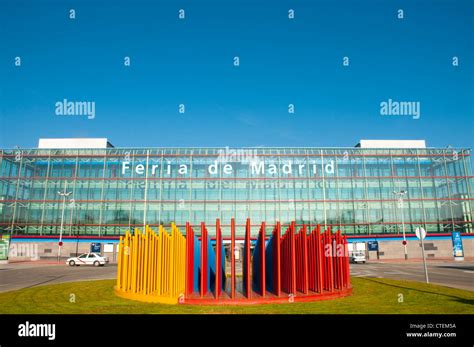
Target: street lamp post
(400,196)
(64,194)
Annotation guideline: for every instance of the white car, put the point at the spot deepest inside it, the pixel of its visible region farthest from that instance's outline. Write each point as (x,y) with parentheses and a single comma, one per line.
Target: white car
(357,257)
(88,259)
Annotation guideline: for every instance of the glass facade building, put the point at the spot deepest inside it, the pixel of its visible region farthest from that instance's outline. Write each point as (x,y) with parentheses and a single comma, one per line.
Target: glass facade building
(114,189)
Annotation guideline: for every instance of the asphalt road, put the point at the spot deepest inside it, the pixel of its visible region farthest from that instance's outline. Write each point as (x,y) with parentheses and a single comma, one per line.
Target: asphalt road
(450,274)
(24,275)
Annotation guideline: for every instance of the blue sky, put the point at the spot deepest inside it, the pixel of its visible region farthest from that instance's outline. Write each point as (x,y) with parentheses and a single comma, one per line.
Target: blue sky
(282,61)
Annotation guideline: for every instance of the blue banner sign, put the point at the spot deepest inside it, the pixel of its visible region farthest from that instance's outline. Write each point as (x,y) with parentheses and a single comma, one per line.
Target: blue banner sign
(373,245)
(95,247)
(458,251)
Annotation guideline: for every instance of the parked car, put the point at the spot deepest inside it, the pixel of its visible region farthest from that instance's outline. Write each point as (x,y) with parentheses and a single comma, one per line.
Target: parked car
(356,252)
(357,257)
(88,259)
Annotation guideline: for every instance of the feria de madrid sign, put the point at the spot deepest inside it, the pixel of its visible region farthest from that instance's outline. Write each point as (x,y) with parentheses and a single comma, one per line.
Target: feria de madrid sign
(225,161)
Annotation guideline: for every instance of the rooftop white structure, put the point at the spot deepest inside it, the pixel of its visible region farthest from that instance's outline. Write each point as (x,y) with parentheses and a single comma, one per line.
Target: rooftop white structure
(392,144)
(67,143)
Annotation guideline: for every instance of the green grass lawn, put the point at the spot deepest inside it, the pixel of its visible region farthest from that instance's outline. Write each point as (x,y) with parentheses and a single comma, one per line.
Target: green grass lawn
(370,295)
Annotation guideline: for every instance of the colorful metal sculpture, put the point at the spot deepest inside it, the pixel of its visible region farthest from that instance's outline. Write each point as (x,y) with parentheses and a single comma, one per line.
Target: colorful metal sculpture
(172,268)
